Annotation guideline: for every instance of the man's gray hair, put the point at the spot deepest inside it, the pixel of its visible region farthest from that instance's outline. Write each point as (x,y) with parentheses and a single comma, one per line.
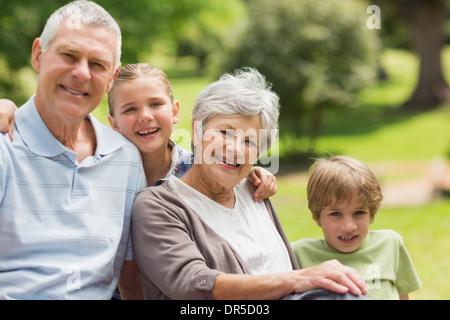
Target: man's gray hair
(88,12)
(244,93)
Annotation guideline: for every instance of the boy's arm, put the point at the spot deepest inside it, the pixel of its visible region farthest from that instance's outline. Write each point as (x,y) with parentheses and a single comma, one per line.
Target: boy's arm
(7,109)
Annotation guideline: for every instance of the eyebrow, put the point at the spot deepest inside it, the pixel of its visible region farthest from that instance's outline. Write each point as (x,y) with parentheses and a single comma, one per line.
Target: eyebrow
(127,104)
(72,49)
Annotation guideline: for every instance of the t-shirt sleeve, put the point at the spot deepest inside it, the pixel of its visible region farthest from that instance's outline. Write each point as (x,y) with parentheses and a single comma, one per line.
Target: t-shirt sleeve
(407,277)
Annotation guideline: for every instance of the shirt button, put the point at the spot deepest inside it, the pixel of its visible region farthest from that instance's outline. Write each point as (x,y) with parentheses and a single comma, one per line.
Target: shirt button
(203,283)
(259,268)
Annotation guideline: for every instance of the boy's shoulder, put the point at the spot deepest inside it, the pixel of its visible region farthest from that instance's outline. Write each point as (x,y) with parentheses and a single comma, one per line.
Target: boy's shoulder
(308,243)
(385,235)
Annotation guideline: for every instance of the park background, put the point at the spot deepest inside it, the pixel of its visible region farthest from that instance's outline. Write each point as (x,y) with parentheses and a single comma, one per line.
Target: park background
(352,79)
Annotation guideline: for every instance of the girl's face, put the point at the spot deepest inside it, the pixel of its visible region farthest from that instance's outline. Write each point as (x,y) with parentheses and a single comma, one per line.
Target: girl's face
(144,113)
(345,224)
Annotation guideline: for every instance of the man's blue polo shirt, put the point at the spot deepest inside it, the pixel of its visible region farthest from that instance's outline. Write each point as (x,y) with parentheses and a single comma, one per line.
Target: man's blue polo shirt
(64,225)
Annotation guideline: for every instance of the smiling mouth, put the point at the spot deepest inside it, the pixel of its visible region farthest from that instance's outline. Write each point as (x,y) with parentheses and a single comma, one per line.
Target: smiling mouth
(349,238)
(228,163)
(74,92)
(147,133)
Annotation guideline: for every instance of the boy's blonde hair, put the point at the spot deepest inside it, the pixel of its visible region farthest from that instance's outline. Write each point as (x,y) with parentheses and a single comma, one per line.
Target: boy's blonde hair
(338,178)
(135,71)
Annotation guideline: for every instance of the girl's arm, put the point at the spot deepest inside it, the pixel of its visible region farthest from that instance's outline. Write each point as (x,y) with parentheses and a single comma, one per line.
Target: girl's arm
(7,109)
(265,182)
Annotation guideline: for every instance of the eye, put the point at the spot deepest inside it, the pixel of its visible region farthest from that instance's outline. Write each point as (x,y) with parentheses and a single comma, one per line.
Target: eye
(98,65)
(225,132)
(155,104)
(68,56)
(129,109)
(335,214)
(251,142)
(360,213)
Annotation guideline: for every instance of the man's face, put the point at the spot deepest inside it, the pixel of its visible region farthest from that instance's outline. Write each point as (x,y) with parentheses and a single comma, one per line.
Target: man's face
(75,72)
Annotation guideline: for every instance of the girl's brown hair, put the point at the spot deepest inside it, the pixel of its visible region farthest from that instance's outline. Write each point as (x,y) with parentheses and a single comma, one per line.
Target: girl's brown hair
(135,71)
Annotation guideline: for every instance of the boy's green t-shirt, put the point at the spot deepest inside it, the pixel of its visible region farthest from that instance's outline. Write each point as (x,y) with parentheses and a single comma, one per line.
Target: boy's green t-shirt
(382,260)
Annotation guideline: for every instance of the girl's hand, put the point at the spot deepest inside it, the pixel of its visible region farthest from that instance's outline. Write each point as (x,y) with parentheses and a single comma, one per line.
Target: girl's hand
(7,109)
(265,182)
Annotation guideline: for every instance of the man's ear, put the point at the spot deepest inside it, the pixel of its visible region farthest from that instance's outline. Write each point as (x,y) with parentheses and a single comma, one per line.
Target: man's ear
(36,54)
(111,82)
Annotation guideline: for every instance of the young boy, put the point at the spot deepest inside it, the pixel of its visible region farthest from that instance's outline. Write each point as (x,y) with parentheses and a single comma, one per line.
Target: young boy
(343,196)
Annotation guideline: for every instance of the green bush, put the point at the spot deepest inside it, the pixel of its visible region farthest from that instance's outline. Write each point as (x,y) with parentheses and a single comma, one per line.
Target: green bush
(318,54)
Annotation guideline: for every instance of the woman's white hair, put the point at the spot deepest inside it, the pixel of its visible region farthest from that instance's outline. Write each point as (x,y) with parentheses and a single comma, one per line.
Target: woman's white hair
(243,93)
(88,12)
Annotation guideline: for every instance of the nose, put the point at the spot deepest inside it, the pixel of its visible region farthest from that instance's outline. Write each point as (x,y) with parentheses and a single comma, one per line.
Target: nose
(146,115)
(236,148)
(348,225)
(81,71)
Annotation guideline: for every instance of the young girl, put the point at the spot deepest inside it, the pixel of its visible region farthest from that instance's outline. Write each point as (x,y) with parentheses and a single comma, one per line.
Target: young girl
(142,107)
(343,196)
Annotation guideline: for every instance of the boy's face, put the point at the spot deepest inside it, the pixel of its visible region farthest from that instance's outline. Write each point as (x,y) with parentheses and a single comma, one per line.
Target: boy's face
(345,224)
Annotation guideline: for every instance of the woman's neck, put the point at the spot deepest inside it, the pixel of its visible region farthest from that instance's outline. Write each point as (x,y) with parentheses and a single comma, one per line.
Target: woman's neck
(156,164)
(214,191)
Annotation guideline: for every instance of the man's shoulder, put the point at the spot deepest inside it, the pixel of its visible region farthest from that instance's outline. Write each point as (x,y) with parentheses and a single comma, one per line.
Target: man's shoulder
(109,140)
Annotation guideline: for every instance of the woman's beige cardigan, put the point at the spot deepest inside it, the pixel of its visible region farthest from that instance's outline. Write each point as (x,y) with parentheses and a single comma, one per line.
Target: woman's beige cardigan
(178,254)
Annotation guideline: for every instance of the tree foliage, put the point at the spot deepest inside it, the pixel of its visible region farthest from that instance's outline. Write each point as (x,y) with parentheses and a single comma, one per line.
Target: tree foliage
(317,54)
(146,25)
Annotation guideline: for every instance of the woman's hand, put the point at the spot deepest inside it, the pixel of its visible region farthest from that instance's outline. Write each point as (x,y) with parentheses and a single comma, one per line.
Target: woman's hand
(330,275)
(333,276)
(265,182)
(7,109)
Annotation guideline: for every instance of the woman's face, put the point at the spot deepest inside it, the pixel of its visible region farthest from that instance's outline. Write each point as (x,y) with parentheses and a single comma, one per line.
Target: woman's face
(229,149)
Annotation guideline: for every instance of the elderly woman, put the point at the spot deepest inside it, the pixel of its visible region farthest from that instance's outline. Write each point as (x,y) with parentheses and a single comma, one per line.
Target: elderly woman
(202,236)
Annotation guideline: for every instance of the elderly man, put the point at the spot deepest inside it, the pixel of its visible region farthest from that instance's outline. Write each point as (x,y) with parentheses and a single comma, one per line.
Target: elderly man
(67,182)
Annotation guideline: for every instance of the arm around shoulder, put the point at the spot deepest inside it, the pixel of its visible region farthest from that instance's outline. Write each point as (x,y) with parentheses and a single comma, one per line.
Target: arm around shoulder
(7,109)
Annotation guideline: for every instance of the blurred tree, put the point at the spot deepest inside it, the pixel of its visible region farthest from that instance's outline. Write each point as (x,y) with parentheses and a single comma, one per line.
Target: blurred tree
(317,54)
(202,34)
(425,20)
(143,23)
(425,24)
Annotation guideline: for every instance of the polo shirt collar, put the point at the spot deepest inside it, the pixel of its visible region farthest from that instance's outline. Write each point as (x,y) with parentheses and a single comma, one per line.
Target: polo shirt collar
(41,141)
